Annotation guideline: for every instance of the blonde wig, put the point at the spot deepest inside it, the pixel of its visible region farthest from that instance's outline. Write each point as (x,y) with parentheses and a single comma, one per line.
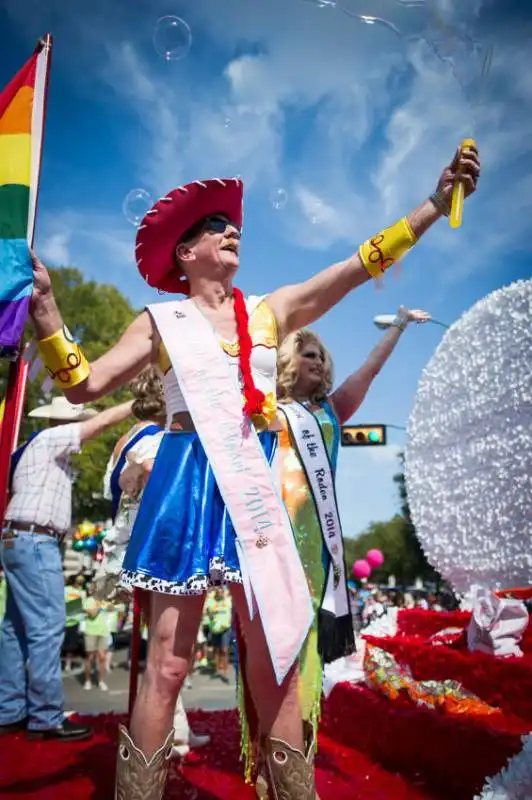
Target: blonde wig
(147,390)
(288,366)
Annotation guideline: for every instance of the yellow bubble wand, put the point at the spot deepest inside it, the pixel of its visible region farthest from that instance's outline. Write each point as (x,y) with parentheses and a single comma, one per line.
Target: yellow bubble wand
(457,202)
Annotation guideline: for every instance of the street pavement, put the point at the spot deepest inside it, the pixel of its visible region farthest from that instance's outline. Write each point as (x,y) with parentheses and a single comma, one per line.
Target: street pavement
(206,691)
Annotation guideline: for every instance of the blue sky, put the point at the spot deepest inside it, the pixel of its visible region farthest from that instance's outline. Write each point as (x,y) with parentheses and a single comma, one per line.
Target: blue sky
(351,120)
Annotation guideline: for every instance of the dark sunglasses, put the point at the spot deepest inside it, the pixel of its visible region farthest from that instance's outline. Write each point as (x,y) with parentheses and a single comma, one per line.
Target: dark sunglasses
(215,223)
(312,356)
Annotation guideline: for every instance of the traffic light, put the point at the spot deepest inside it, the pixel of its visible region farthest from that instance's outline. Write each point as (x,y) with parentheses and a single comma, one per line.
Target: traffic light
(363,435)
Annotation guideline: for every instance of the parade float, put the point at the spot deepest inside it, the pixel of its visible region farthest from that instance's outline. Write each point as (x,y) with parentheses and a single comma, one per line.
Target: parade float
(434,705)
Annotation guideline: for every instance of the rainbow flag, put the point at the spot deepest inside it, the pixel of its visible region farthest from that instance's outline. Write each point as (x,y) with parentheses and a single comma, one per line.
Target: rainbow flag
(22,107)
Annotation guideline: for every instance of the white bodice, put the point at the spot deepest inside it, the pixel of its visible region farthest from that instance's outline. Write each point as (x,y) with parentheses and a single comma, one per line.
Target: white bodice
(263,358)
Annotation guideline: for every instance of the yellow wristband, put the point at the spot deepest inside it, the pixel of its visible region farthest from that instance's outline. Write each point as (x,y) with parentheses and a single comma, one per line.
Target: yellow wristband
(387,247)
(63,359)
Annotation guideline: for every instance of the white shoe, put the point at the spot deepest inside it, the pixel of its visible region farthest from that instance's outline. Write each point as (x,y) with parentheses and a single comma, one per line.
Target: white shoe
(103,687)
(180,750)
(87,686)
(194,740)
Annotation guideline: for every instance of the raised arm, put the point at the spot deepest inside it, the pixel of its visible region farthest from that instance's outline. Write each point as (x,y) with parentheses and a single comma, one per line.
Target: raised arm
(350,395)
(301,304)
(80,381)
(105,419)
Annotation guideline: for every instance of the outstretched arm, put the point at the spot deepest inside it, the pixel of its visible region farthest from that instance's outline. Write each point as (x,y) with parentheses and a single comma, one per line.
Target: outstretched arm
(134,350)
(350,395)
(301,304)
(105,419)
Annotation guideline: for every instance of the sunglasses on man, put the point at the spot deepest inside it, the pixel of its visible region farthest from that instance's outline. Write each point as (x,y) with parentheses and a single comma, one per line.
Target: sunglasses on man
(214,223)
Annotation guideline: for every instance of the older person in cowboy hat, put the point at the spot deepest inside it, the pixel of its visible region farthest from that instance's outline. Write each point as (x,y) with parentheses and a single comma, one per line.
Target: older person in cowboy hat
(37,517)
(210,513)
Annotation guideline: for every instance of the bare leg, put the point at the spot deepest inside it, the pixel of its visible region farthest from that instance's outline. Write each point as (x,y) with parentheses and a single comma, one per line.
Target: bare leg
(102,667)
(174,623)
(89,658)
(277,706)
(224,661)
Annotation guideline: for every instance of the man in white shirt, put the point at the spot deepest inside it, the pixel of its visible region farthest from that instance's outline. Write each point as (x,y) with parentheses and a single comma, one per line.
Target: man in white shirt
(37,517)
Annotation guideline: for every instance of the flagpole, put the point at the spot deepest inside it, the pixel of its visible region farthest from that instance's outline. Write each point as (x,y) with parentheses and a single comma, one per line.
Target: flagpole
(18,370)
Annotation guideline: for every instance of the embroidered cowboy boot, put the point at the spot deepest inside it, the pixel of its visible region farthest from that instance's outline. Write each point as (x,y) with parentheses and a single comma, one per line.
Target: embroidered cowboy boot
(289,773)
(261,785)
(136,777)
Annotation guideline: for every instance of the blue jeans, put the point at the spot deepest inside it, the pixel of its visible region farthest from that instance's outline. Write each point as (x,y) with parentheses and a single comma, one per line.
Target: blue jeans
(32,632)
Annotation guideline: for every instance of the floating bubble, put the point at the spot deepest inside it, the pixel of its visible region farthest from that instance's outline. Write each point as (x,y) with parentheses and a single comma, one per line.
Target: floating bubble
(278,198)
(469,60)
(378,21)
(449,43)
(136,204)
(242,121)
(322,3)
(317,215)
(172,38)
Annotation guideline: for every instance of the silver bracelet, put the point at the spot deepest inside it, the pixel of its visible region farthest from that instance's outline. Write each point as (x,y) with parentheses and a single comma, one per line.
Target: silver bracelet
(400,321)
(440,203)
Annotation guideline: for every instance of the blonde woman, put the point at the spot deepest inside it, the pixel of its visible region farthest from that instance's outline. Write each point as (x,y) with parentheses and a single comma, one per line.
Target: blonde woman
(312,414)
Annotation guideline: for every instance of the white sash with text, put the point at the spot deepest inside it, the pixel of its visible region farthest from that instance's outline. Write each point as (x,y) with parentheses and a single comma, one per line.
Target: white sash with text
(312,451)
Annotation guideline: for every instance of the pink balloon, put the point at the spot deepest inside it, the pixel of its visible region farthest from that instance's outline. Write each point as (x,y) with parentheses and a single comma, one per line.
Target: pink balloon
(361,569)
(375,558)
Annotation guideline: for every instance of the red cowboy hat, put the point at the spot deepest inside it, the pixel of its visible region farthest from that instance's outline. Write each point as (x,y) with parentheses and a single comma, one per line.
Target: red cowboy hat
(171,217)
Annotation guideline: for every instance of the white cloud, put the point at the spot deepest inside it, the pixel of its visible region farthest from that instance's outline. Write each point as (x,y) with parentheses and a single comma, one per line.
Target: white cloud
(55,249)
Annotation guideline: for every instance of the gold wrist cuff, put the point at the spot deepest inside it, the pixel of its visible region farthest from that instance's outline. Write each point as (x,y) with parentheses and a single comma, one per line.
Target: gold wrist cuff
(383,250)
(63,359)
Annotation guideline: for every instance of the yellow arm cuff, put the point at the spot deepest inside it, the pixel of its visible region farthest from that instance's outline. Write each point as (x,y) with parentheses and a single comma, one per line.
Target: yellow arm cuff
(387,247)
(63,359)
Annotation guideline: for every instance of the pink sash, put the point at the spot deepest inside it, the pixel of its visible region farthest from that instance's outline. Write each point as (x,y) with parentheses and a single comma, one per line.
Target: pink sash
(266,545)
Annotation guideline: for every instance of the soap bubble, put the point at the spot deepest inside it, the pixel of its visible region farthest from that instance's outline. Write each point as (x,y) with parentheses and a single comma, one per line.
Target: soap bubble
(469,60)
(380,22)
(242,120)
(172,38)
(322,3)
(135,206)
(278,198)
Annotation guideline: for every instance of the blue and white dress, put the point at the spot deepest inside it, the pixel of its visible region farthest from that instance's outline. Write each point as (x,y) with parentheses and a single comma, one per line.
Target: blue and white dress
(183,541)
(123,484)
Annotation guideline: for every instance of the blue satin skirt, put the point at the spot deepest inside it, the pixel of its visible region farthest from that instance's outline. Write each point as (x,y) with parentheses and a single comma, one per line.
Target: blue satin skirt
(183,541)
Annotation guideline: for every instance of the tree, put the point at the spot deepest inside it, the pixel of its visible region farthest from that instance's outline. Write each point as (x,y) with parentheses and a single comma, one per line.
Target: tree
(97,314)
(403,555)
(387,537)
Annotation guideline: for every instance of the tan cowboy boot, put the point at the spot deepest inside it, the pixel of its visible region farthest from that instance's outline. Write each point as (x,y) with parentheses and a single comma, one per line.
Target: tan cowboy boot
(136,777)
(261,785)
(290,775)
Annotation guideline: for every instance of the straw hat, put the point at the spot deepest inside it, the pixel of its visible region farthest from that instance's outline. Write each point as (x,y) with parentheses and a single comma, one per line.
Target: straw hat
(61,409)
